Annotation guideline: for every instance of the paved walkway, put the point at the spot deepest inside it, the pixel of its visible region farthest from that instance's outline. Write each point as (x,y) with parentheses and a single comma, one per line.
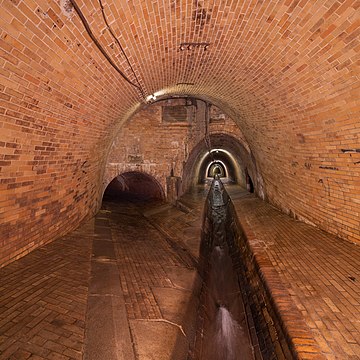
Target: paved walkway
(117,288)
(320,272)
(121,283)
(43,300)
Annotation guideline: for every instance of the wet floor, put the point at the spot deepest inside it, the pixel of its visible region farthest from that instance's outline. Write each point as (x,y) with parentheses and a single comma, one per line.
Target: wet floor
(158,284)
(118,287)
(225,325)
(122,285)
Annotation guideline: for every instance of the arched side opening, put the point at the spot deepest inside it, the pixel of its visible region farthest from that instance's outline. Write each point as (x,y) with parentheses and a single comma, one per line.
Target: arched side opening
(162,156)
(249,182)
(134,186)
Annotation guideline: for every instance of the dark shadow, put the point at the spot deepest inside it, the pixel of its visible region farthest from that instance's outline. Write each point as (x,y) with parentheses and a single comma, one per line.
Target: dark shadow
(249,182)
(134,186)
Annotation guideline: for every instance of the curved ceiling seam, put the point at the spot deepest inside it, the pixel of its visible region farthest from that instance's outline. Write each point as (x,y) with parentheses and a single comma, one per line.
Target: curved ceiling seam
(102,50)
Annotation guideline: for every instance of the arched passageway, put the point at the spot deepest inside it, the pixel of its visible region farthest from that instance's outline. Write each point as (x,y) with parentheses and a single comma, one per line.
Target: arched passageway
(75,73)
(135,186)
(234,155)
(220,162)
(216,168)
(287,72)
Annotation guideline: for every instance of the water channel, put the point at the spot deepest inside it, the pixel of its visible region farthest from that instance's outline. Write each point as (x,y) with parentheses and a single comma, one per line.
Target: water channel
(224,328)
(182,303)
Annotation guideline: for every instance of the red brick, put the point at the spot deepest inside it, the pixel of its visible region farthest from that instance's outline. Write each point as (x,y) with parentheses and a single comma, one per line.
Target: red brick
(276,71)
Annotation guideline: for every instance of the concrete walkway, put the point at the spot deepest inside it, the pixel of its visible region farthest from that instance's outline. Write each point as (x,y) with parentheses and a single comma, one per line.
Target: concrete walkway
(122,286)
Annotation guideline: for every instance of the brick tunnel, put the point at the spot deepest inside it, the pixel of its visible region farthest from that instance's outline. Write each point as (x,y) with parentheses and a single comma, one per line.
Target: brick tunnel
(115,117)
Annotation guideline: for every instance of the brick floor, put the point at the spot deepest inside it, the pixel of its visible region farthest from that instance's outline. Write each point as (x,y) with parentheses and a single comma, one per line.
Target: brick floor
(157,278)
(43,300)
(43,296)
(320,272)
(142,255)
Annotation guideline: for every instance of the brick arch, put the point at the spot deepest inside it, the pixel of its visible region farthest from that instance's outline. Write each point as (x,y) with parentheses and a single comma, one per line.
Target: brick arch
(239,158)
(134,185)
(217,167)
(221,159)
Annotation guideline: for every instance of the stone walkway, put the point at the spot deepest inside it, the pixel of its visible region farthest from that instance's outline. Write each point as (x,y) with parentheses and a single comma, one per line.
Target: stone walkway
(124,282)
(320,272)
(117,288)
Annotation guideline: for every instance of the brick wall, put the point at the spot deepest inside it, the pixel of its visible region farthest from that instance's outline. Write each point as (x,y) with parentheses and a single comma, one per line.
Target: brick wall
(57,109)
(287,72)
(160,146)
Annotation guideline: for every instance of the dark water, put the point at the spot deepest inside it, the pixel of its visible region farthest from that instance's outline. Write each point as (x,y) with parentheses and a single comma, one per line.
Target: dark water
(225,329)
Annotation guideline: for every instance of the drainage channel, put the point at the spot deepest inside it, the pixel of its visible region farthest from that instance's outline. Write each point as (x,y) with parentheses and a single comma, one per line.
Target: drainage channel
(234,320)
(149,298)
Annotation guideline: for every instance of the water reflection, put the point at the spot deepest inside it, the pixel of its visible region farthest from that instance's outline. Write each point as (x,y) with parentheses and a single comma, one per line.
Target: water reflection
(225,332)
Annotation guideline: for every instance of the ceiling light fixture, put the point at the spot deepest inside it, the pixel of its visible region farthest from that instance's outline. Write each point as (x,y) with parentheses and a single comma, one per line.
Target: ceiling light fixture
(150,98)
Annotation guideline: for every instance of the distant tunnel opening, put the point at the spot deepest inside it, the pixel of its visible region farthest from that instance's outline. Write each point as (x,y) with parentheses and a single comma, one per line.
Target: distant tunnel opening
(218,163)
(134,186)
(234,156)
(217,169)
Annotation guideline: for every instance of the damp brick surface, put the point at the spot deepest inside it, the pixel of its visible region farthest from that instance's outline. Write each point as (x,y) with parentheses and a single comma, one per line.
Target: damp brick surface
(287,72)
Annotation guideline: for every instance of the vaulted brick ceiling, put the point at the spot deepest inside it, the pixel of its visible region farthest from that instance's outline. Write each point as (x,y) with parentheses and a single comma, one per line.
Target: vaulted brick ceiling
(287,71)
